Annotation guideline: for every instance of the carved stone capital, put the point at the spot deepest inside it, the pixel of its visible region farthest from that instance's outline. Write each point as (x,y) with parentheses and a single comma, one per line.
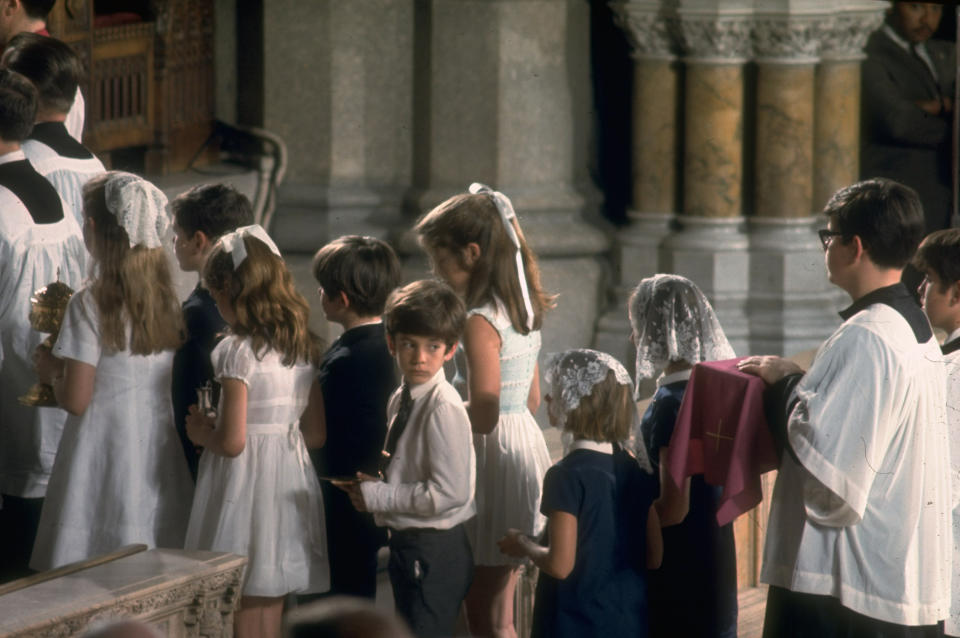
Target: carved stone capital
(718,39)
(847,33)
(652,34)
(789,39)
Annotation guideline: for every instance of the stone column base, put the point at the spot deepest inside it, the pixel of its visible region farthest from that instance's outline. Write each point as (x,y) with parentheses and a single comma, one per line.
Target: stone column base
(792,306)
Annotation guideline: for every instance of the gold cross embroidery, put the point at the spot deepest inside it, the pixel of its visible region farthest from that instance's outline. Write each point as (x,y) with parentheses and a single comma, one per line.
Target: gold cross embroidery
(717,435)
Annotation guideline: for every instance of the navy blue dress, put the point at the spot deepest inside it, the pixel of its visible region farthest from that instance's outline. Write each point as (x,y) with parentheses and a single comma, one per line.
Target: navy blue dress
(606,593)
(694,593)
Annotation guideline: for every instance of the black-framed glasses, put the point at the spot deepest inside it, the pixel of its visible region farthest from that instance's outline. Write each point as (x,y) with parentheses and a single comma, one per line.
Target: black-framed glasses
(826,235)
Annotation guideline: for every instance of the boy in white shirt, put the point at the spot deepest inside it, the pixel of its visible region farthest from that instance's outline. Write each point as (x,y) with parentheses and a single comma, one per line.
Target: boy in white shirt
(938,259)
(429,464)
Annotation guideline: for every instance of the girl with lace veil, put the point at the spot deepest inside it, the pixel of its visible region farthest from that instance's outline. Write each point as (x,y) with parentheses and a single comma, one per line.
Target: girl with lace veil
(119,476)
(603,531)
(674,327)
(475,244)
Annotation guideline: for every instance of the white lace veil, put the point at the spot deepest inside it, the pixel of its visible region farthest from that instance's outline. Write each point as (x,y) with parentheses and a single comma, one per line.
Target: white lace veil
(572,375)
(673,321)
(140,208)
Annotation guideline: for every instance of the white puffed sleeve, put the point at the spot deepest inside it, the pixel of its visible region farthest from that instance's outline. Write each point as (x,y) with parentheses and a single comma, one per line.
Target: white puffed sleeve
(233,358)
(79,337)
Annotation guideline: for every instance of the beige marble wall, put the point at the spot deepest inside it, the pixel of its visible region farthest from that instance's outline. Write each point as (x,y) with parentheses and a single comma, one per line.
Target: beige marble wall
(784,157)
(713,152)
(655,135)
(837,133)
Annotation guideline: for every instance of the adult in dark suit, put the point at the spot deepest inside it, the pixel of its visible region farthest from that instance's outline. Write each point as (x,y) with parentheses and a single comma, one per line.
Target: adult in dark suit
(907,100)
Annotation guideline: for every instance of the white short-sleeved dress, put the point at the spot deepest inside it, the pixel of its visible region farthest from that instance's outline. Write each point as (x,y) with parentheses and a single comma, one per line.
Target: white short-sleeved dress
(264,503)
(513,459)
(119,476)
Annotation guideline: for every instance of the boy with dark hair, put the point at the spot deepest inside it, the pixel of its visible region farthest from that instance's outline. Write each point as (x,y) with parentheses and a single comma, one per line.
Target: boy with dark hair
(39,244)
(357,376)
(428,463)
(30,16)
(200,217)
(938,258)
(56,70)
(859,534)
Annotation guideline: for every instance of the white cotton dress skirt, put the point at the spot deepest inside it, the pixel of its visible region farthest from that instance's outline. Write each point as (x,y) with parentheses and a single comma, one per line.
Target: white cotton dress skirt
(511,463)
(264,504)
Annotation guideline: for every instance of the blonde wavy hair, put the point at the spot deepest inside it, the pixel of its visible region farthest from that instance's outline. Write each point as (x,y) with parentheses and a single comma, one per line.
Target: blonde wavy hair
(132,287)
(268,308)
(473,218)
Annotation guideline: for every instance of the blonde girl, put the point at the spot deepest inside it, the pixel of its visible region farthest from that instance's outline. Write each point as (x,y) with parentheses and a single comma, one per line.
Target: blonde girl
(118,477)
(257,493)
(603,531)
(475,244)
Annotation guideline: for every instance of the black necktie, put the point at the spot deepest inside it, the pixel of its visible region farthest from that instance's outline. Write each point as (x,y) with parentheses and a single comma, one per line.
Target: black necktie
(397,427)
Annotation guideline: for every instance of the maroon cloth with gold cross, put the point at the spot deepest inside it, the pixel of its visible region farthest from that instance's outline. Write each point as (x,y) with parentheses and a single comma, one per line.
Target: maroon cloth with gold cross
(722,433)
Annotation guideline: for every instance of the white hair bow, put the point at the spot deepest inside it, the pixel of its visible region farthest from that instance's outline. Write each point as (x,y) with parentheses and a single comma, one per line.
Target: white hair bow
(505,208)
(140,208)
(232,243)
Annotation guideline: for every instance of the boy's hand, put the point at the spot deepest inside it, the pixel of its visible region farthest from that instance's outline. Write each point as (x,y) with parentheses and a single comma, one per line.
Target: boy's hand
(199,426)
(352,488)
(513,544)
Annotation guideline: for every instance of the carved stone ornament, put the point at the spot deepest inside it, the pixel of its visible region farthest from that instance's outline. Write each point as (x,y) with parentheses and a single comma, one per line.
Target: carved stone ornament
(651,33)
(847,34)
(716,38)
(789,39)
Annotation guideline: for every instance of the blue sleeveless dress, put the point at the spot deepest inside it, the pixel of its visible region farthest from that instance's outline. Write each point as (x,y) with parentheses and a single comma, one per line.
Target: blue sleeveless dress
(513,459)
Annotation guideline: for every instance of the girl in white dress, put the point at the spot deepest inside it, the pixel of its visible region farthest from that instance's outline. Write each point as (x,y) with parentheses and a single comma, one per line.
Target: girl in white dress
(118,477)
(475,244)
(257,492)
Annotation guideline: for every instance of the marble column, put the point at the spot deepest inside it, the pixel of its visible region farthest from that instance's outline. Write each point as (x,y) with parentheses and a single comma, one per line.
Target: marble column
(837,106)
(504,98)
(791,305)
(655,150)
(338,86)
(710,247)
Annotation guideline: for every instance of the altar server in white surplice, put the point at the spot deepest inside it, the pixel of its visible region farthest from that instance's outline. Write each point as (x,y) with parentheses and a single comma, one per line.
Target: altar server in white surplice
(938,260)
(859,540)
(56,71)
(39,241)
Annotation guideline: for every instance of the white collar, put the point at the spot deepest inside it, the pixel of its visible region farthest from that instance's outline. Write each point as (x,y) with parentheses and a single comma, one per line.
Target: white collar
(891,33)
(13,156)
(417,391)
(673,377)
(594,446)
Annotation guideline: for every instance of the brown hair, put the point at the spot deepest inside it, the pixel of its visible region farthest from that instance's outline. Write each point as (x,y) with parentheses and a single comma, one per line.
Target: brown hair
(426,308)
(606,414)
(364,268)
(473,218)
(940,252)
(131,285)
(268,308)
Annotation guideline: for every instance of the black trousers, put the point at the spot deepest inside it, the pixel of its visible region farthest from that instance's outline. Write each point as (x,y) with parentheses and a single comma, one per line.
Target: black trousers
(430,571)
(353,540)
(19,521)
(792,614)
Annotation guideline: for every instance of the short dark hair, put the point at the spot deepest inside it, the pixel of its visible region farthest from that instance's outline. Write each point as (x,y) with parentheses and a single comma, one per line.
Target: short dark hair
(426,308)
(38,9)
(886,215)
(940,253)
(18,106)
(364,268)
(53,67)
(213,209)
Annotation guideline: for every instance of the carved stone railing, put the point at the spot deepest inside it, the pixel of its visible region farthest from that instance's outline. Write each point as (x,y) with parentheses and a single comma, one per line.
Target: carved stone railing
(181,593)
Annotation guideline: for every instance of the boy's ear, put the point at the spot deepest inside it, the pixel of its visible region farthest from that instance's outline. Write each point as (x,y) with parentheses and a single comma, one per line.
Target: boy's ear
(202,242)
(344,300)
(954,290)
(390,346)
(451,350)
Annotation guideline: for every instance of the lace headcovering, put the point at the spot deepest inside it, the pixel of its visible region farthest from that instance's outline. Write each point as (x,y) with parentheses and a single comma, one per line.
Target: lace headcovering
(673,321)
(140,208)
(572,375)
(232,243)
(505,208)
